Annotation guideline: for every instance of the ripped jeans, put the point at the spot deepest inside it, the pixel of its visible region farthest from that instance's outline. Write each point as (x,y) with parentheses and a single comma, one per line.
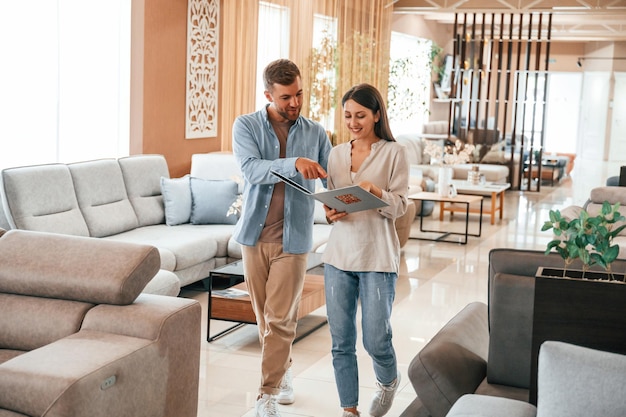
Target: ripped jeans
(376,291)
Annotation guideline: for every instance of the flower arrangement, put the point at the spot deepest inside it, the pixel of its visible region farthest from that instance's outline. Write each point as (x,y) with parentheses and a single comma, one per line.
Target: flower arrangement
(235,208)
(450,153)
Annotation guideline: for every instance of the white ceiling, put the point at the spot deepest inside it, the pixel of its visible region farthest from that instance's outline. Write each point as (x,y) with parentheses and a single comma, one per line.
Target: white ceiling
(572,20)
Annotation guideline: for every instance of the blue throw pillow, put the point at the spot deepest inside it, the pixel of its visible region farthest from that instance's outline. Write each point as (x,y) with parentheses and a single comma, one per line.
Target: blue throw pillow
(176,200)
(211,200)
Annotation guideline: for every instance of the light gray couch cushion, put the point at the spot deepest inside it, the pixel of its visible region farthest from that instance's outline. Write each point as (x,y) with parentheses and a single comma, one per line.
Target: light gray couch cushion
(414,145)
(575,381)
(142,176)
(102,198)
(42,198)
(474,405)
(184,245)
(163,283)
(4,223)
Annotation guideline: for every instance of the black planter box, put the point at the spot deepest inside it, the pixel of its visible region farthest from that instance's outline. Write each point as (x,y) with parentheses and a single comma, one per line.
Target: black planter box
(586,312)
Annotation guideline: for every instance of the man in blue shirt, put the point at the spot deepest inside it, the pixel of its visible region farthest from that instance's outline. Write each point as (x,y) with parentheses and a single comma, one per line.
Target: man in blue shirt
(276,226)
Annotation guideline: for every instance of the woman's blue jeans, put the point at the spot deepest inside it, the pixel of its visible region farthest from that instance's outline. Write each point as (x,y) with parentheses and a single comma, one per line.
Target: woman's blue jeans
(376,291)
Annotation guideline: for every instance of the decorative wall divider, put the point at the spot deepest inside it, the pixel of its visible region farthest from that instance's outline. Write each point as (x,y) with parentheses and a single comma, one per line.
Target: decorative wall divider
(202,69)
(499,83)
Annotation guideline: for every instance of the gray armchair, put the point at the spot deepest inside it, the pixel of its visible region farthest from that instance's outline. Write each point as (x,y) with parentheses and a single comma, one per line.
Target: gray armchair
(484,349)
(574,381)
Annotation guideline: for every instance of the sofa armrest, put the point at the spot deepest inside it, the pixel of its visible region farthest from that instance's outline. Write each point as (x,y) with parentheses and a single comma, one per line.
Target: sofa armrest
(454,362)
(611,194)
(102,370)
(86,374)
(174,324)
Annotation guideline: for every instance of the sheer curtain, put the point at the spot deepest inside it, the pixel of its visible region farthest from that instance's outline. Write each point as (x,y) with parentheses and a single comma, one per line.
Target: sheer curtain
(363,39)
(64,82)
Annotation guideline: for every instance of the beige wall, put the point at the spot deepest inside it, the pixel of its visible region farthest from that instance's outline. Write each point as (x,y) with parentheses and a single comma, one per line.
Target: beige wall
(158,85)
(158,76)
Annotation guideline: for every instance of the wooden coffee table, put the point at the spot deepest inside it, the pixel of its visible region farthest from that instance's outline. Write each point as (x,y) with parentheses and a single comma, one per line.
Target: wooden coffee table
(233,303)
(494,190)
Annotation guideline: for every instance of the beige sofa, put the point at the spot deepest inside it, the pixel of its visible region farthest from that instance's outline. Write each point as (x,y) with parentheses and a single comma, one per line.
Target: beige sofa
(77,337)
(593,205)
(489,153)
(416,144)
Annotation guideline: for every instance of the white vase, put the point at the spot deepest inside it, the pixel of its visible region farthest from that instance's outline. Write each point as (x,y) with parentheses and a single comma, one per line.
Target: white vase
(443,181)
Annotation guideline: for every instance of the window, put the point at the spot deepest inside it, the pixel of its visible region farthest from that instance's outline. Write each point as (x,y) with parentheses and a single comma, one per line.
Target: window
(273,42)
(323,89)
(409,83)
(65,81)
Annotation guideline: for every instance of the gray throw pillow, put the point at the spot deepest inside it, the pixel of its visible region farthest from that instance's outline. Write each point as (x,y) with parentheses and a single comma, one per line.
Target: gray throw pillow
(176,200)
(211,200)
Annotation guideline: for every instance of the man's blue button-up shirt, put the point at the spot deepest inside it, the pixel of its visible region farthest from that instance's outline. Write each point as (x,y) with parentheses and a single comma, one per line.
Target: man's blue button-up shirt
(257,151)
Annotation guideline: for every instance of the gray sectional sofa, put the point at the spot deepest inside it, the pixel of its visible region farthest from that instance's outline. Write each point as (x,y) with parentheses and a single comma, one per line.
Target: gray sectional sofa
(121,199)
(116,199)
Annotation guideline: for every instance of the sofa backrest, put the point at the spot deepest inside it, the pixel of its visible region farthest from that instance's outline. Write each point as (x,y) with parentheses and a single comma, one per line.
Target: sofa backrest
(511,300)
(142,177)
(28,323)
(49,281)
(102,198)
(42,198)
(414,145)
(613,195)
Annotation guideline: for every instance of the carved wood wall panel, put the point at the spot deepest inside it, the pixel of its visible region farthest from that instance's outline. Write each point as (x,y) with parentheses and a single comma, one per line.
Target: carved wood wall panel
(202,69)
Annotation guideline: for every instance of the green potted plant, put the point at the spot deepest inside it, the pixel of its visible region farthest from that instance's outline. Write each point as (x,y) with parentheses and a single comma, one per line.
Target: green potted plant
(587,238)
(585,307)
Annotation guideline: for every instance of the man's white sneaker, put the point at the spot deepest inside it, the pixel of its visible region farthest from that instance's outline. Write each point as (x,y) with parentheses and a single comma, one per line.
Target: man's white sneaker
(350,414)
(381,403)
(266,406)
(285,396)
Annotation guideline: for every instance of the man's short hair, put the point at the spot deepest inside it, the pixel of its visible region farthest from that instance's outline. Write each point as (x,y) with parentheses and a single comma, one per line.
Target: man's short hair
(281,71)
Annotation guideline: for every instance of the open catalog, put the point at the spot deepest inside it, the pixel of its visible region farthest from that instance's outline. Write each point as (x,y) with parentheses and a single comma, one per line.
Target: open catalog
(348,199)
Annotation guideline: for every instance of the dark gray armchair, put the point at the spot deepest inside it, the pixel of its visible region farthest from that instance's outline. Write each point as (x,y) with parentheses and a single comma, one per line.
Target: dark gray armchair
(484,349)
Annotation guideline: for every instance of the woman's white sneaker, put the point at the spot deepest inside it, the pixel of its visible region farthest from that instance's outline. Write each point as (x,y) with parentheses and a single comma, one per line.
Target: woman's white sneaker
(381,403)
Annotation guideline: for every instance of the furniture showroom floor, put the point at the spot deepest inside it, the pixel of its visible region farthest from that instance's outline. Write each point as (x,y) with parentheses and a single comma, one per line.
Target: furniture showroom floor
(437,280)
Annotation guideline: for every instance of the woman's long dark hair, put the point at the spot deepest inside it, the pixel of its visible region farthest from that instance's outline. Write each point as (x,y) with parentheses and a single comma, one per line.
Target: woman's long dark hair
(368,96)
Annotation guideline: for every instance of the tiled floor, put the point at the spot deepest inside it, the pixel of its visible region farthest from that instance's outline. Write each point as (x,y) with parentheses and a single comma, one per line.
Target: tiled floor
(436,281)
